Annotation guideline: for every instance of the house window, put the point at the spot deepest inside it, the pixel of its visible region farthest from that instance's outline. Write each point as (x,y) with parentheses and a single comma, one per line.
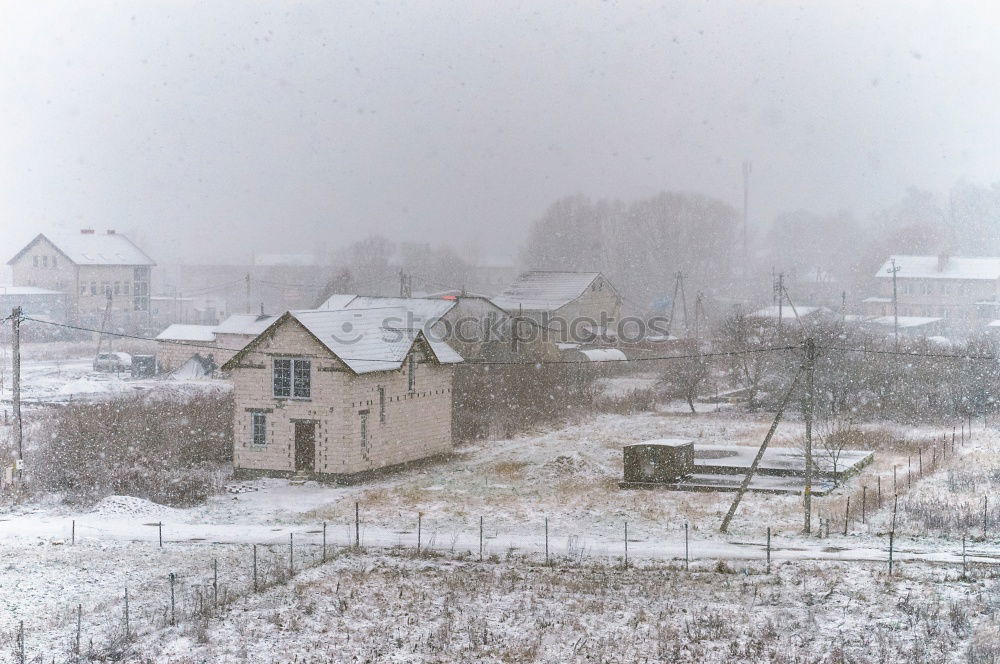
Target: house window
(106,288)
(83,288)
(381,404)
(292,378)
(259,430)
(45,261)
(93,288)
(125,287)
(54,264)
(35,260)
(365,443)
(411,376)
(118,288)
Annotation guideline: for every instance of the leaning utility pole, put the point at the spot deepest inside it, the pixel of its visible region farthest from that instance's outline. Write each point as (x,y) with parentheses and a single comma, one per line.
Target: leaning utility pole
(15,318)
(895,303)
(809,405)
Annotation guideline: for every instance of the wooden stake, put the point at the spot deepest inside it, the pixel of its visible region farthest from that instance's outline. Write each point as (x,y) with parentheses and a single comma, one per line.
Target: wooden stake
(546,540)
(847,515)
(686,550)
(173,578)
(480,539)
(357,526)
(160,524)
(420,516)
(254,568)
(626,544)
(864,501)
(291,554)
(891,537)
(769,549)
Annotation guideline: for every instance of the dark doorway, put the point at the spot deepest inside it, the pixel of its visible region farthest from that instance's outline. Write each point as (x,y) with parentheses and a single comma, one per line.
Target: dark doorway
(305,446)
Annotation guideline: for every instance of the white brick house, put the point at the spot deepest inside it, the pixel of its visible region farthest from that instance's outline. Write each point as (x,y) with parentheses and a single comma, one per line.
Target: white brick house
(337,395)
(91,269)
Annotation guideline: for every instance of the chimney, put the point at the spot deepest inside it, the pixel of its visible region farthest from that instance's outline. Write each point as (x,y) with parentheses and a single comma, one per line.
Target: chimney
(111,231)
(86,231)
(943,259)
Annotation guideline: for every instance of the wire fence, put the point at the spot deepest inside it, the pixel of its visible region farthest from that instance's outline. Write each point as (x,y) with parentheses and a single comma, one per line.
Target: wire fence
(193,593)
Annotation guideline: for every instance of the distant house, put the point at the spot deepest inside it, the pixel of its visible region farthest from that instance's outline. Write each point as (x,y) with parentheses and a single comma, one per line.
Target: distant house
(574,306)
(338,395)
(232,334)
(179,342)
(91,269)
(471,324)
(964,291)
(908,326)
(804,314)
(34,301)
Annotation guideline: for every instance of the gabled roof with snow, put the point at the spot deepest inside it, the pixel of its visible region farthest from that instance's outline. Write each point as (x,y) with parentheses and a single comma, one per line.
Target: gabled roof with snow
(955,267)
(252,324)
(416,311)
(182,332)
(905,321)
(92,249)
(539,290)
(786,312)
(28,290)
(365,339)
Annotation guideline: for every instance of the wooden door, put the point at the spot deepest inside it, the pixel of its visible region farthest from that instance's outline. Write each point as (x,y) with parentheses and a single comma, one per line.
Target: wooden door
(305,446)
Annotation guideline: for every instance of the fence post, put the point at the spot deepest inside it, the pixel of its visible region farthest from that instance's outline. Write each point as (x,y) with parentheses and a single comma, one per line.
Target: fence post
(864,502)
(160,524)
(20,642)
(480,539)
(324,541)
(357,526)
(847,515)
(891,537)
(769,549)
(546,540)
(920,460)
(73,533)
(964,568)
(127,631)
(420,516)
(255,568)
(215,582)
(879,478)
(626,545)
(291,554)
(686,550)
(909,478)
(985,501)
(173,615)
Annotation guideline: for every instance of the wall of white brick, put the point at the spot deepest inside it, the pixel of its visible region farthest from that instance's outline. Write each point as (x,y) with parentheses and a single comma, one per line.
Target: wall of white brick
(417,424)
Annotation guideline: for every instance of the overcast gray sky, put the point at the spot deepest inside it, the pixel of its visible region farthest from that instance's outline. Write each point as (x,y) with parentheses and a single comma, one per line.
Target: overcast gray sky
(224,126)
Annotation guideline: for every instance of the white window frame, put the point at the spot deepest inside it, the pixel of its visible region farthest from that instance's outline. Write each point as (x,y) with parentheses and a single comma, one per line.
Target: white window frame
(294,365)
(258,420)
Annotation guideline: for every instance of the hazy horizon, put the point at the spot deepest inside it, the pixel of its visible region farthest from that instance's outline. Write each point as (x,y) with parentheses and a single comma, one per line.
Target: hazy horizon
(211,130)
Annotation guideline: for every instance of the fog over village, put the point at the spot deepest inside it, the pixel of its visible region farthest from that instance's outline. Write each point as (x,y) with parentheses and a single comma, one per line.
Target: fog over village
(519,332)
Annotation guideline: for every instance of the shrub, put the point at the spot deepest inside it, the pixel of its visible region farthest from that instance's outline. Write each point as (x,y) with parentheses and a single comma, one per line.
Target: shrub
(168,450)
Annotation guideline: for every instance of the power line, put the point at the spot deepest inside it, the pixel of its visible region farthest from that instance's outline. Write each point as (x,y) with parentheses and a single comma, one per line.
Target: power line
(123,335)
(908,353)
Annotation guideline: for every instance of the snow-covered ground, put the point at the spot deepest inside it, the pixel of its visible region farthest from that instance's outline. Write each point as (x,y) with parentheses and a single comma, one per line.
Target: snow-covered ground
(560,478)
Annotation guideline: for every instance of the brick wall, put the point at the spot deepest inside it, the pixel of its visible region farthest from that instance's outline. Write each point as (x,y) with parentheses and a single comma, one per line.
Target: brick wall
(417,424)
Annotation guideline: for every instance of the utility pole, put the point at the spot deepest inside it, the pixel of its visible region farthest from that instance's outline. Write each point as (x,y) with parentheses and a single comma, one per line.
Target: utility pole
(248,291)
(678,290)
(780,290)
(895,303)
(809,404)
(747,169)
(15,319)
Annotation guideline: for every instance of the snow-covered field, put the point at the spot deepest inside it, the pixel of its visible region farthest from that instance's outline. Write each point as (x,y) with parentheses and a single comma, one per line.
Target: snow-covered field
(510,607)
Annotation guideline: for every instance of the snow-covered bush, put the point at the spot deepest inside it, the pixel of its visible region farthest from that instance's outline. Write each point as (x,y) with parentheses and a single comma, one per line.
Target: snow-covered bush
(170,450)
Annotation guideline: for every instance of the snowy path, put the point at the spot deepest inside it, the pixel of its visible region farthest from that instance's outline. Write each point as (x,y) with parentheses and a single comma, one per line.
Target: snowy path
(589,545)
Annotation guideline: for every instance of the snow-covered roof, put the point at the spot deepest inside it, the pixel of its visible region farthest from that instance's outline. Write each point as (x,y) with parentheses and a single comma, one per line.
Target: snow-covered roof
(252,324)
(183,332)
(786,312)
(604,355)
(284,259)
(876,299)
(906,321)
(27,290)
(417,311)
(93,248)
(362,341)
(666,442)
(539,290)
(954,267)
